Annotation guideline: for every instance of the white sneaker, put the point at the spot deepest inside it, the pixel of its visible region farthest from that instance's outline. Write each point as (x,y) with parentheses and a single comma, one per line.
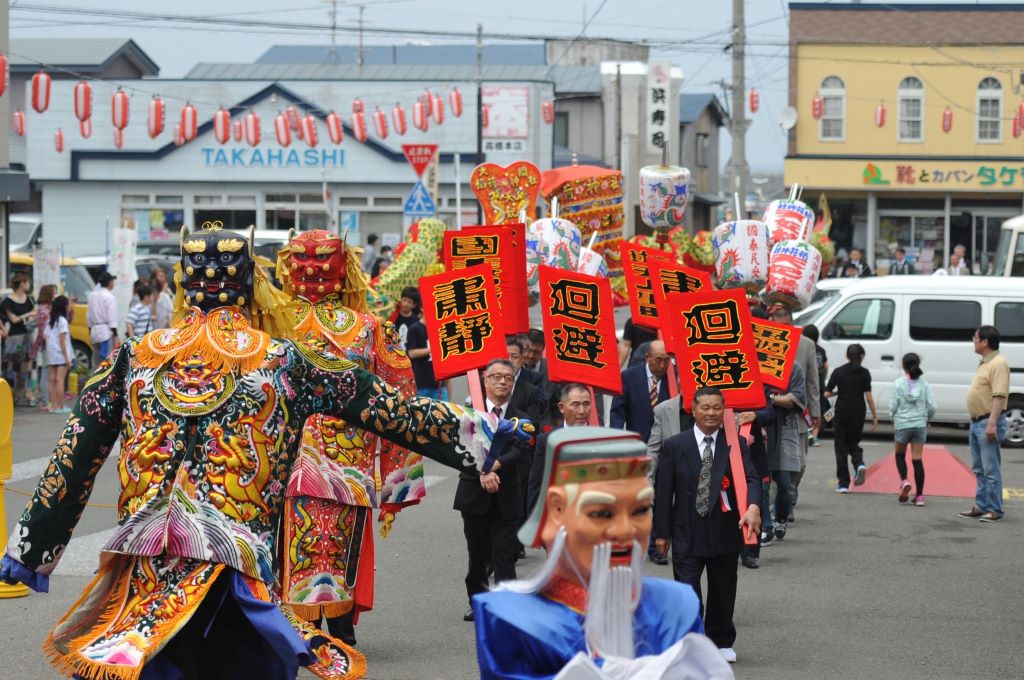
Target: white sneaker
(728,653)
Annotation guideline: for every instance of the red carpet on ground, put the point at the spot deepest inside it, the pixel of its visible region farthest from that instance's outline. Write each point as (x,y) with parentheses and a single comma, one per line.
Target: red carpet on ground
(945,475)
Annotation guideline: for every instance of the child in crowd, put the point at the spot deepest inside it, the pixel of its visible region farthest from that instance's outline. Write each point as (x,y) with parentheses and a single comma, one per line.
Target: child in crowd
(58,352)
(852,382)
(911,408)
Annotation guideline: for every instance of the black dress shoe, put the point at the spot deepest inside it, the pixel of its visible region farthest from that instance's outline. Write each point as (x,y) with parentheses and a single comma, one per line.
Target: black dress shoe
(468,616)
(749,561)
(657,558)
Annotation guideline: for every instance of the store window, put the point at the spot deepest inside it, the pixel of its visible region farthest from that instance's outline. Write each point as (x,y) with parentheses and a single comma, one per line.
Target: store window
(911,110)
(990,108)
(560,131)
(833,98)
(944,320)
(862,320)
(921,236)
(153,217)
(294,211)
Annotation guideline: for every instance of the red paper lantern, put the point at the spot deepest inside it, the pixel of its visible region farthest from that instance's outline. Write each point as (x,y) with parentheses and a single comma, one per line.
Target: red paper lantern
(58,140)
(357,106)
(1016,127)
(83,101)
(419,116)
(178,139)
(309,130)
(398,119)
(547,111)
(755,100)
(155,117)
(438,109)
(189,122)
(817,107)
(947,120)
(880,115)
(119,109)
(41,91)
(4,74)
(359,126)
(251,123)
(85,127)
(18,122)
(335,128)
(455,101)
(282,129)
(222,126)
(1020,113)
(380,124)
(485,116)
(293,117)
(236,131)
(118,139)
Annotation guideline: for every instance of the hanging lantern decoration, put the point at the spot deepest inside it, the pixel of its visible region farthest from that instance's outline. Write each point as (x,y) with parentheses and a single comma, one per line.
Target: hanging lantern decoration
(222,126)
(85,127)
(428,103)
(189,122)
(547,111)
(485,116)
(359,126)
(455,102)
(294,120)
(282,129)
(119,110)
(438,109)
(755,100)
(308,127)
(58,140)
(335,128)
(817,107)
(18,122)
(1020,113)
(155,117)
(419,116)
(947,120)
(236,131)
(398,119)
(118,139)
(41,91)
(178,140)
(1017,126)
(83,101)
(357,105)
(880,115)
(4,72)
(251,128)
(380,124)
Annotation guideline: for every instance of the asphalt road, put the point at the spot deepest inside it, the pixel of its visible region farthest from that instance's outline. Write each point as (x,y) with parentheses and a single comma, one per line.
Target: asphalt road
(861,587)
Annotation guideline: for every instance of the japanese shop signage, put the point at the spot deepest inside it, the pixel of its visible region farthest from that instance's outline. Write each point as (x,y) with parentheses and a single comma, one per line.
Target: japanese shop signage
(464,324)
(579,329)
(911,174)
(776,345)
(714,346)
(504,248)
(636,264)
(672,277)
(659,89)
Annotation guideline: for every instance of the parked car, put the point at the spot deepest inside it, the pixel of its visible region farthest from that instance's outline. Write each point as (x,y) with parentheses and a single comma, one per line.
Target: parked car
(144,266)
(26,232)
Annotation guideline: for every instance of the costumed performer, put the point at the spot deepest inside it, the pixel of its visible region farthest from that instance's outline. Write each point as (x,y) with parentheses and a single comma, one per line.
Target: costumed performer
(327,561)
(587,613)
(209,414)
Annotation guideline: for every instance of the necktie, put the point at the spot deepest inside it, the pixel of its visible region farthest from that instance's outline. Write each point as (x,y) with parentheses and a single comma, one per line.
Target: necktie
(654,391)
(704,481)
(496,411)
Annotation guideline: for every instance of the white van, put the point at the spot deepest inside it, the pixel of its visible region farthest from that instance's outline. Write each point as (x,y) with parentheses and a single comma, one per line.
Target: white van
(934,316)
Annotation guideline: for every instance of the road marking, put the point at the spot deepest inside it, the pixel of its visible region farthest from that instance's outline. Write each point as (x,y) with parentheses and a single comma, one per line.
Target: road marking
(28,469)
(1013,494)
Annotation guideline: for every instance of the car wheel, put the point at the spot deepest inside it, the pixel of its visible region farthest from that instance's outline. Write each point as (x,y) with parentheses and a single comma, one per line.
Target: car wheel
(1015,424)
(83,362)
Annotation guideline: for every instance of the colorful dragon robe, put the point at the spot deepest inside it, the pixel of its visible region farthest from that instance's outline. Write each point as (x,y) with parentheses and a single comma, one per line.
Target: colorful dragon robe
(328,560)
(209,414)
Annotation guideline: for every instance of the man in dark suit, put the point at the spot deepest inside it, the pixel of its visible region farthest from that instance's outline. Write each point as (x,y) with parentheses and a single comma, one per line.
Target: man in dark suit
(695,514)
(526,394)
(643,387)
(492,504)
(575,406)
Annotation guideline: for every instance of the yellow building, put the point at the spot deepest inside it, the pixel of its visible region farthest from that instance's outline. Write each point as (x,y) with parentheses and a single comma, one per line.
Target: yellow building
(905,120)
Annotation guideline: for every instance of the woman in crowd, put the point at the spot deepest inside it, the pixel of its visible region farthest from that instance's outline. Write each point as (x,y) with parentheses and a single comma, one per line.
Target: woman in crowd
(911,408)
(852,382)
(19,308)
(58,353)
(163,308)
(811,331)
(37,350)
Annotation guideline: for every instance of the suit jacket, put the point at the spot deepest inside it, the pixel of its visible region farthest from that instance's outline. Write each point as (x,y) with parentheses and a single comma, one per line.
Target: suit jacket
(536,472)
(675,512)
(632,409)
(905,269)
(471,498)
(807,357)
(669,420)
(526,398)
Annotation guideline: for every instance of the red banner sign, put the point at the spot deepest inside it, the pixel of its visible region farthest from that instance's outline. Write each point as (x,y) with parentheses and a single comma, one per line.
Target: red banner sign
(714,346)
(672,277)
(579,329)
(419,156)
(776,345)
(504,248)
(636,264)
(464,326)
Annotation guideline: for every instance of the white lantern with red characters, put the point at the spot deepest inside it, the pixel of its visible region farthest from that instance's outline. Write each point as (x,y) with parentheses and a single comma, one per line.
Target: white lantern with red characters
(880,115)
(18,122)
(58,140)
(282,129)
(119,109)
(947,120)
(817,107)
(793,269)
(308,126)
(251,125)
(335,128)
(237,132)
(547,111)
(118,139)
(5,75)
(222,126)
(41,83)
(419,116)
(741,255)
(755,100)
(398,119)
(85,128)
(455,102)
(380,124)
(359,126)
(155,117)
(83,101)
(189,122)
(438,109)
(788,220)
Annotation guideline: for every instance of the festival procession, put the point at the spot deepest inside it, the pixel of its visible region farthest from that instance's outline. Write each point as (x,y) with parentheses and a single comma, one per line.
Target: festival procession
(583,404)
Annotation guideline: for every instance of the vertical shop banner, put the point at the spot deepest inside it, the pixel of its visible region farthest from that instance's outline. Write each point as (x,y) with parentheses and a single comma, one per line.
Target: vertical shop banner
(672,277)
(46,268)
(659,90)
(504,248)
(636,264)
(464,324)
(579,329)
(121,263)
(714,346)
(776,345)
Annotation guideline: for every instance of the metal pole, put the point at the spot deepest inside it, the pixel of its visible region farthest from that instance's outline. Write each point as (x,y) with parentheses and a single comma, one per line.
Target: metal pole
(458,191)
(479,108)
(618,116)
(362,8)
(739,111)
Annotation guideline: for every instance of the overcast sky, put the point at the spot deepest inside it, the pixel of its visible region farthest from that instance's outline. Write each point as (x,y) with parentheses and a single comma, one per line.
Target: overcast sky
(693,33)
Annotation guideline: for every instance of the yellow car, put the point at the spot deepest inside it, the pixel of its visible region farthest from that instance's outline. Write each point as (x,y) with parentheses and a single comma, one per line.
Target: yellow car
(77,285)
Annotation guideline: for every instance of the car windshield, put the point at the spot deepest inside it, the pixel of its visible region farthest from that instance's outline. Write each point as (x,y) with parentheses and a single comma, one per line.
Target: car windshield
(21,231)
(77,282)
(813,311)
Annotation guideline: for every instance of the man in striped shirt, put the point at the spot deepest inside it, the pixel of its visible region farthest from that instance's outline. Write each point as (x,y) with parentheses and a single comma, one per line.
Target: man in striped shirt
(140,313)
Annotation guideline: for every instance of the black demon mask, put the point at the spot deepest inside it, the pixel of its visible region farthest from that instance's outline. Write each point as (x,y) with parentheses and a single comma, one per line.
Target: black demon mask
(216,268)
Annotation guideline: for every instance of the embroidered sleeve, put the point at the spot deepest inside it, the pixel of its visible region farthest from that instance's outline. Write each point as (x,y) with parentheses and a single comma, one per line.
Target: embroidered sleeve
(45,526)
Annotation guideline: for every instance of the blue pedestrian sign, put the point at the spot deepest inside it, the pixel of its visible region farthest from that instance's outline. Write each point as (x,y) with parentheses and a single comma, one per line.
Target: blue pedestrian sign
(419,203)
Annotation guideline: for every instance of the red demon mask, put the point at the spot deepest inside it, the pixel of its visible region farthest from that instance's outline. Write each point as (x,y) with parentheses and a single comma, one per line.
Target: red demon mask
(316,264)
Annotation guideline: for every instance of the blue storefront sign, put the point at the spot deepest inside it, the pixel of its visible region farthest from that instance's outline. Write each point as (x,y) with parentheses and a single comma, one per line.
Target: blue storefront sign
(245,157)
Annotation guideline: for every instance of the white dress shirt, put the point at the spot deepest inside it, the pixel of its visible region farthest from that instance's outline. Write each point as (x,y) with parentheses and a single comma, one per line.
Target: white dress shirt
(699,435)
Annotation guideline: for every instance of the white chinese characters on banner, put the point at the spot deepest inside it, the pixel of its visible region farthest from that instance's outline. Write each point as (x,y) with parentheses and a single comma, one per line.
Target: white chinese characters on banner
(46,268)
(659,83)
(121,263)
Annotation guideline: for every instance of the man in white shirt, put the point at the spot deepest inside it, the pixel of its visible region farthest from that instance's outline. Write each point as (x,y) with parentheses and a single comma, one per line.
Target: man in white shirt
(101,318)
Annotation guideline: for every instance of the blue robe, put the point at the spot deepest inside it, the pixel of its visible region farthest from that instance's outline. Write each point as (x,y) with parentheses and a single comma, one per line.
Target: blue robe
(529,637)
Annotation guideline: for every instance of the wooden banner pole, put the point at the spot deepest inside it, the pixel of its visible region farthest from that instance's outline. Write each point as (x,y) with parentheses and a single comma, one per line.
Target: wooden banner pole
(593,407)
(476,390)
(739,471)
(670,374)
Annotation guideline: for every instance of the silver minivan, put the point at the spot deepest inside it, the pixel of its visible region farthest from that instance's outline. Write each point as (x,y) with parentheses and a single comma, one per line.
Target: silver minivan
(934,316)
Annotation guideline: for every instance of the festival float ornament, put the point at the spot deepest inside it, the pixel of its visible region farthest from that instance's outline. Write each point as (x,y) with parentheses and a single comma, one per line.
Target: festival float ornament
(5,74)
(398,119)
(454,102)
(505,192)
(741,255)
(380,124)
(155,117)
(237,131)
(251,128)
(85,128)
(18,122)
(552,242)
(419,116)
(308,127)
(793,269)
(118,139)
(222,126)
(359,126)
(41,82)
(83,101)
(947,120)
(817,107)
(788,219)
(119,109)
(58,140)
(547,111)
(755,100)
(282,130)
(357,106)
(825,246)
(663,195)
(335,129)
(880,115)
(189,122)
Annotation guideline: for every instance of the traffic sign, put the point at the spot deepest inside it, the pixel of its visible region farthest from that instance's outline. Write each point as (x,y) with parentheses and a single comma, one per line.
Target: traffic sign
(419,156)
(419,203)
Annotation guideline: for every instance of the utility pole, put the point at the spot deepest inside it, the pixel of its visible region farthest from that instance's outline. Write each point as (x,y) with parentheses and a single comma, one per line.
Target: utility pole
(479,108)
(359,57)
(738,115)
